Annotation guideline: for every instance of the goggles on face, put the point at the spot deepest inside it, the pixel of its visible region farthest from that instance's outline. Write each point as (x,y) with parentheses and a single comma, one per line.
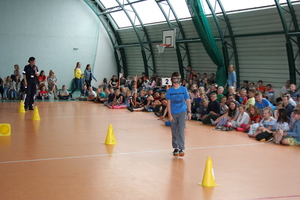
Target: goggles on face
(175,80)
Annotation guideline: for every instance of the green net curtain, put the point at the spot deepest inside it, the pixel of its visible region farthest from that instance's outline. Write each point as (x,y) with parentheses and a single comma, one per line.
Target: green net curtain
(204,31)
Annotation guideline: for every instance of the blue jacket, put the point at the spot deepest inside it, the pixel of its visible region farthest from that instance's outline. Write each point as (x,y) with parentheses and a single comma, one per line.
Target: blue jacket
(295,131)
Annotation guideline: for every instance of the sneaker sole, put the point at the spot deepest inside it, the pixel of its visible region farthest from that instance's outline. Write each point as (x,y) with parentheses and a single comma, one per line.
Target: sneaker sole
(181,154)
(175,154)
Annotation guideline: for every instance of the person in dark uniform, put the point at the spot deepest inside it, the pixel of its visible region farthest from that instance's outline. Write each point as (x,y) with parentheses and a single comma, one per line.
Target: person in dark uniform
(30,80)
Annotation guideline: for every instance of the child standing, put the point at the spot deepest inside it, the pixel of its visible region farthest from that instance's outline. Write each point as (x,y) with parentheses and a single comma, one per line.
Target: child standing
(178,103)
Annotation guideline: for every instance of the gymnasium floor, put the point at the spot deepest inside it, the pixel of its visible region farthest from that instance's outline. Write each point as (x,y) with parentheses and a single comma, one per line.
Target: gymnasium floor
(62,156)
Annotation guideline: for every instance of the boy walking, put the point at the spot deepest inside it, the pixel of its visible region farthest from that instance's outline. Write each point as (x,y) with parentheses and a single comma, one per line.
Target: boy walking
(178,103)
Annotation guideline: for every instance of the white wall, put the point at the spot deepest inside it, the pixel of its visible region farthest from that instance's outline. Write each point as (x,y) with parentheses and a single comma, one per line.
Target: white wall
(49,30)
(105,62)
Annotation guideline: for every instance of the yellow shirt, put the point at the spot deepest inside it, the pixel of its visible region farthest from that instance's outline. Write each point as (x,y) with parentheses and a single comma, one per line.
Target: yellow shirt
(251,101)
(77,73)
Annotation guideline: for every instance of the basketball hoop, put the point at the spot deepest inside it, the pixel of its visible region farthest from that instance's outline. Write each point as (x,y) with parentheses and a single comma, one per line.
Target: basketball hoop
(161,47)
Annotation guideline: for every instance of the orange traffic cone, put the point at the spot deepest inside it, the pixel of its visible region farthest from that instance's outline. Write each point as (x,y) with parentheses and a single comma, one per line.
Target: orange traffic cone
(36,115)
(21,107)
(5,130)
(110,137)
(209,177)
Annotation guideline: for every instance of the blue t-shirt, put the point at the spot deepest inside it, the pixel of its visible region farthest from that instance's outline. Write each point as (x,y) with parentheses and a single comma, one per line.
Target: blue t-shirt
(231,79)
(178,99)
(264,104)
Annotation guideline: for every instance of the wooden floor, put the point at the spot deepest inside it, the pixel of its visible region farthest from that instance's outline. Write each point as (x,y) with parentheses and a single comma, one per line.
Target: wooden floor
(62,156)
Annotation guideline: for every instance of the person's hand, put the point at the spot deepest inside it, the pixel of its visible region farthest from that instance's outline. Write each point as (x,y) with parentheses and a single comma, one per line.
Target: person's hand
(25,83)
(189,116)
(171,118)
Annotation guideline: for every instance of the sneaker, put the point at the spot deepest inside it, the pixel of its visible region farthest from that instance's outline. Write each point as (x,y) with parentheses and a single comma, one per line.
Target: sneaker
(212,122)
(228,128)
(219,128)
(175,152)
(70,95)
(181,153)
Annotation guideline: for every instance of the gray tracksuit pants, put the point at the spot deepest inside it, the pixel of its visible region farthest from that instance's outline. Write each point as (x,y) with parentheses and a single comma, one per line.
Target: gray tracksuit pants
(177,127)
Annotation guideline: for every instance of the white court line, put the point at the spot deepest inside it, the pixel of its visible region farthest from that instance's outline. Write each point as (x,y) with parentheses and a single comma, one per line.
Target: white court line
(128,153)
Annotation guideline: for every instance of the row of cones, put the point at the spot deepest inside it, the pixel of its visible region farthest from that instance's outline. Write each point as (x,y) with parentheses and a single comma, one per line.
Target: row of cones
(208,177)
(36,115)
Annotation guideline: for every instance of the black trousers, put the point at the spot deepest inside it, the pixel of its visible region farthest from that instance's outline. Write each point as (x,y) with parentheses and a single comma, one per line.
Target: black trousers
(88,83)
(30,93)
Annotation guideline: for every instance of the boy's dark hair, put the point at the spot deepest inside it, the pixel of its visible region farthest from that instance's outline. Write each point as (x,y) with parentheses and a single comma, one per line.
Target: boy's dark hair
(252,91)
(245,81)
(194,91)
(175,74)
(297,111)
(260,81)
(269,85)
(31,59)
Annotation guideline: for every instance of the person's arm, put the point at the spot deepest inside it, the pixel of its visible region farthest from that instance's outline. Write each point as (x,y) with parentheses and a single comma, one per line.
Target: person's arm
(93,77)
(188,103)
(234,78)
(169,110)
(294,132)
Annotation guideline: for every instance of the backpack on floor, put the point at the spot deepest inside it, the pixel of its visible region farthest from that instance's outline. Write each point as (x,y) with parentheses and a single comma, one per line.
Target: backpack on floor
(263,135)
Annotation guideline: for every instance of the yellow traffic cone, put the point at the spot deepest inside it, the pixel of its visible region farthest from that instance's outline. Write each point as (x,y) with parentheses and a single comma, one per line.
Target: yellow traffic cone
(21,107)
(36,115)
(5,130)
(209,177)
(110,137)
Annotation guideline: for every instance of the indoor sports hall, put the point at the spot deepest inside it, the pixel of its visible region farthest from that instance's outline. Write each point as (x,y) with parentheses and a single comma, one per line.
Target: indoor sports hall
(81,150)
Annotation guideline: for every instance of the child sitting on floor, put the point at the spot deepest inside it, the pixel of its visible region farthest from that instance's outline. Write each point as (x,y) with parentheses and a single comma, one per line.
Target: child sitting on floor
(266,124)
(43,94)
(63,93)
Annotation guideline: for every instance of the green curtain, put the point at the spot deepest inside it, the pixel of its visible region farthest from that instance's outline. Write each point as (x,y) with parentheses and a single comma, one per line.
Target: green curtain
(204,31)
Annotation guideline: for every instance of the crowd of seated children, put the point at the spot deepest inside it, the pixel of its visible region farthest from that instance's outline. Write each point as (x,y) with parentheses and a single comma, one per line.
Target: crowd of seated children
(42,78)
(83,95)
(110,97)
(251,99)
(269,93)
(291,136)
(43,93)
(213,109)
(287,105)
(91,96)
(262,103)
(254,117)
(101,95)
(294,94)
(52,83)
(63,93)
(223,105)
(230,115)
(220,93)
(242,119)
(118,100)
(282,124)
(113,83)
(243,96)
(266,124)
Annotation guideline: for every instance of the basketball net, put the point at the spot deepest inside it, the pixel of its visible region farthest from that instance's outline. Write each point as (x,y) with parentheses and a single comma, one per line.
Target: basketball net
(161,47)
